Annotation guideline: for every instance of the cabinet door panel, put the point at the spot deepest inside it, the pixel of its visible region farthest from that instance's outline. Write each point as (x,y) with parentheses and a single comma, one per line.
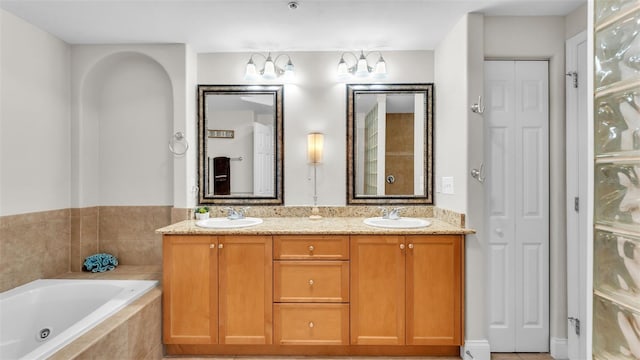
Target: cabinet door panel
(190,290)
(377,290)
(434,290)
(245,290)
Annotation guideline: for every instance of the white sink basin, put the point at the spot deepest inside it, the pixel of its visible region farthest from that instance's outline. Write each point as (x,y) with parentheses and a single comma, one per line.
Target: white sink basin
(224,223)
(401,223)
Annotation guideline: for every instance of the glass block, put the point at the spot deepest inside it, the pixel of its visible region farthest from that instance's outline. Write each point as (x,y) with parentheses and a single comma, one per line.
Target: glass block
(616,333)
(617,194)
(617,127)
(608,8)
(616,267)
(617,51)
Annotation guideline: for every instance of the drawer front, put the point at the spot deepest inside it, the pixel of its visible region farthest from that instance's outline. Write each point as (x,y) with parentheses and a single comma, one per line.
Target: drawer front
(311,324)
(311,281)
(332,247)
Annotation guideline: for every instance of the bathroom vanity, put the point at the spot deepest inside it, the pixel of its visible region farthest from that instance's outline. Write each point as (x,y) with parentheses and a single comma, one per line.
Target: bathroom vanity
(294,286)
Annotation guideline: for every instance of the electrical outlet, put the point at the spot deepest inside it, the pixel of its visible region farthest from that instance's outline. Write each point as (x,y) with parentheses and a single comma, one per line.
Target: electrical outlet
(447,184)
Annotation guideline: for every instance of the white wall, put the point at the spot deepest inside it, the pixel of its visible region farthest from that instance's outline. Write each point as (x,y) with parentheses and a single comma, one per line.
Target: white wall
(458,135)
(34,119)
(576,21)
(543,38)
(127,100)
(168,106)
(316,101)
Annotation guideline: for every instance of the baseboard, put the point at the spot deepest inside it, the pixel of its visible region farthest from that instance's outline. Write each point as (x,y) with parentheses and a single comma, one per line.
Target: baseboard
(559,348)
(475,350)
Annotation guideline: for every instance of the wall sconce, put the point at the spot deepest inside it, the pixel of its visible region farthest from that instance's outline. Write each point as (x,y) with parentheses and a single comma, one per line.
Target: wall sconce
(361,68)
(270,70)
(315,144)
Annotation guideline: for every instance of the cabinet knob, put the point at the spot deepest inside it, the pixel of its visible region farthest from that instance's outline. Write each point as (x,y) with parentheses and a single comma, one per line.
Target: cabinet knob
(220,246)
(410,246)
(401,246)
(311,248)
(311,324)
(212,246)
(310,281)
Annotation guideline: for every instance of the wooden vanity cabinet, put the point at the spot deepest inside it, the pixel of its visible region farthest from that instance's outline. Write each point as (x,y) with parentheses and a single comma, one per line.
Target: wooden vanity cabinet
(311,290)
(217,289)
(406,290)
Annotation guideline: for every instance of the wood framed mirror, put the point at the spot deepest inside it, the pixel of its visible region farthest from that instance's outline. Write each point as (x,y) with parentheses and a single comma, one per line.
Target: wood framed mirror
(389,144)
(240,139)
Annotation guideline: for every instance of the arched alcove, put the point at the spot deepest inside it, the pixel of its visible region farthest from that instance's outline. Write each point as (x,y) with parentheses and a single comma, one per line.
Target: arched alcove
(125,125)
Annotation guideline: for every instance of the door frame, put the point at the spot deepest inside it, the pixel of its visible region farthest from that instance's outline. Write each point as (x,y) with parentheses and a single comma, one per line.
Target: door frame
(577,176)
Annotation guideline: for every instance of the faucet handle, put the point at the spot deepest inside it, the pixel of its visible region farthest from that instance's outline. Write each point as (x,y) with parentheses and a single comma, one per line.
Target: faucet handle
(395,213)
(385,212)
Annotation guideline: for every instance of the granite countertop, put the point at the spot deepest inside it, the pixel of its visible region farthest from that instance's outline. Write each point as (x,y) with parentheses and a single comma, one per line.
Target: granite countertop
(306,226)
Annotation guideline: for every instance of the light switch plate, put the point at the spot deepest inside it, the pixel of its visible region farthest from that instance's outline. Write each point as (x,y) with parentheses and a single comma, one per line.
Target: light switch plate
(447,184)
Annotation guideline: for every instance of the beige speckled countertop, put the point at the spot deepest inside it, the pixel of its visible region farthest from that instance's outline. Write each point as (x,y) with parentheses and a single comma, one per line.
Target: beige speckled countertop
(302,225)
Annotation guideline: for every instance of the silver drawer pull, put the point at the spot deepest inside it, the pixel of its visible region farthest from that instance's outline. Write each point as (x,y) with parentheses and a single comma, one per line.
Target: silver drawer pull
(311,324)
(401,246)
(311,248)
(220,246)
(310,281)
(410,246)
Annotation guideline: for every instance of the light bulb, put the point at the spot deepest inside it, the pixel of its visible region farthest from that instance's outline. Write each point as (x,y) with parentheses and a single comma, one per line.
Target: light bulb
(250,72)
(362,69)
(269,71)
(289,70)
(343,69)
(380,71)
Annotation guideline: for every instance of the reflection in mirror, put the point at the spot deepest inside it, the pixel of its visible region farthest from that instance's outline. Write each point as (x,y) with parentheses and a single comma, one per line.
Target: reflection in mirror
(240,144)
(390,144)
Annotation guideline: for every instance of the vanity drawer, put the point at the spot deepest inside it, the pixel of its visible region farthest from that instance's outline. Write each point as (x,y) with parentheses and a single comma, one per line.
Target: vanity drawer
(311,324)
(331,247)
(311,281)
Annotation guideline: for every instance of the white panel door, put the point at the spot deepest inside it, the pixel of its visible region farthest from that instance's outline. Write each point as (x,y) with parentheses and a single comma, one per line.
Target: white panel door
(517,123)
(263,160)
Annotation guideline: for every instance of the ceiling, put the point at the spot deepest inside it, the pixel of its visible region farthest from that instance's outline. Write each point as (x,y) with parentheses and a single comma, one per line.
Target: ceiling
(261,25)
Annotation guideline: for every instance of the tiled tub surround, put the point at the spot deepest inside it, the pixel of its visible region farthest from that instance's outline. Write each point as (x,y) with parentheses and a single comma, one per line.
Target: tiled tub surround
(33,246)
(48,243)
(132,333)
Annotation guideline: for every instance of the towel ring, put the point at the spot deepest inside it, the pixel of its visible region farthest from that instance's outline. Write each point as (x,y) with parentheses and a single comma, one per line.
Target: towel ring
(178,138)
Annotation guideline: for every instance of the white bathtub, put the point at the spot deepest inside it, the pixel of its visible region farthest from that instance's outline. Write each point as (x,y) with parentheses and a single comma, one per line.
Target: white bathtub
(39,318)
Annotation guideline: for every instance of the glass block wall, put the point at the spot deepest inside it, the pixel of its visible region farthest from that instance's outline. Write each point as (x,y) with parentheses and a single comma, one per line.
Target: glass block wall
(616,278)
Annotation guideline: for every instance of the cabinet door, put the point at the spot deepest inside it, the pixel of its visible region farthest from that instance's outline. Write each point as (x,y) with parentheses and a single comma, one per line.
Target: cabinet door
(190,284)
(245,289)
(377,290)
(434,290)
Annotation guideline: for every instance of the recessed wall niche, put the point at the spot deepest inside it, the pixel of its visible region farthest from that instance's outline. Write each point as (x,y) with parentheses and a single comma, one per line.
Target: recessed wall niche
(126,122)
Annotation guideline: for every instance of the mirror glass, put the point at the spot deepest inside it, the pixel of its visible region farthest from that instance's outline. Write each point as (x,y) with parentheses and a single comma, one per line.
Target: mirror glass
(240,144)
(390,144)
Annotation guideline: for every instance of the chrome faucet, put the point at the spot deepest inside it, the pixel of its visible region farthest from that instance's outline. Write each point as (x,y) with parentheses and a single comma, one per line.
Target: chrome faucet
(393,214)
(235,214)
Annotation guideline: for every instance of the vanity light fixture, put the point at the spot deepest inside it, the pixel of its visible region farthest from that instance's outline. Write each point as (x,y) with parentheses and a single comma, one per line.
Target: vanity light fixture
(315,144)
(270,70)
(361,68)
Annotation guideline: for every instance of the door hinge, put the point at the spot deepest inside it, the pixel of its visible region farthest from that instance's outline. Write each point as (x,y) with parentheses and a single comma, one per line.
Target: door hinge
(576,204)
(574,77)
(576,324)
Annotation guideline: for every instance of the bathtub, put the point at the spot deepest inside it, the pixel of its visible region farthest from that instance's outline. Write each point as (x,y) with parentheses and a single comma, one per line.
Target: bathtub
(41,317)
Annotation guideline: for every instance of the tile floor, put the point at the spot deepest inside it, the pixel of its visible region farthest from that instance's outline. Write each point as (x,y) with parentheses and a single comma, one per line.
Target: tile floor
(494,356)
